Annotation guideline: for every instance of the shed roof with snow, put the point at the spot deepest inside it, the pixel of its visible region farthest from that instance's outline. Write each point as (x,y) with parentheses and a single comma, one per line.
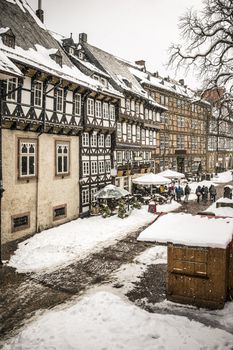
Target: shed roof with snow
(190,230)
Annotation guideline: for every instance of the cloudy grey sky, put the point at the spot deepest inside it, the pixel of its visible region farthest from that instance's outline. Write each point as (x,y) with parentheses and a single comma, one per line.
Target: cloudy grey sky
(130,29)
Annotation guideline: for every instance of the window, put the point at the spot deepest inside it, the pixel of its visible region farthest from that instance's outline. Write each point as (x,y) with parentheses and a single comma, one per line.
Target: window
(151,137)
(59,100)
(98,109)
(137,108)
(101,167)
(62,158)
(112,112)
(108,141)
(119,130)
(85,139)
(194,142)
(108,165)
(93,192)
(94,140)
(57,57)
(59,212)
(90,107)
(86,169)
(77,104)
(119,156)
(8,39)
(146,113)
(103,81)
(27,158)
(105,110)
(180,141)
(94,166)
(127,105)
(12,85)
(20,222)
(38,88)
(143,136)
(138,133)
(101,140)
(129,127)
(180,122)
(85,196)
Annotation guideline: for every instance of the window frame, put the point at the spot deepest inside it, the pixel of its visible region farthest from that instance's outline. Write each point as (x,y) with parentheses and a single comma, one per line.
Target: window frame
(67,144)
(59,100)
(77,103)
(27,155)
(36,90)
(13,82)
(22,227)
(90,107)
(85,168)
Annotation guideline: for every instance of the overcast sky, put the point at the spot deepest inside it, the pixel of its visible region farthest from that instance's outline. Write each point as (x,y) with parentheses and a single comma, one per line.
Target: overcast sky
(130,29)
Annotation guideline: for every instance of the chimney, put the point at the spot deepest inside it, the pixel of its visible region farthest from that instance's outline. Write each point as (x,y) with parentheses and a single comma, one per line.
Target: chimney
(83,38)
(141,63)
(40,12)
(181,81)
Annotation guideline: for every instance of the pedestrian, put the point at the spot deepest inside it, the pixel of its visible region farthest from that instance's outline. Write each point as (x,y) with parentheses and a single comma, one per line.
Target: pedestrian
(205,194)
(161,189)
(179,193)
(187,191)
(198,193)
(212,191)
(171,192)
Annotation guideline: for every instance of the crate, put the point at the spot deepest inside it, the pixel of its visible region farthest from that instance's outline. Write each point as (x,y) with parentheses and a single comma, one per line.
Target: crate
(200,276)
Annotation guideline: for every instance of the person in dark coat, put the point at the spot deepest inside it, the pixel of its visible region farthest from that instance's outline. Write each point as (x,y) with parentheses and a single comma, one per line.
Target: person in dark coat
(198,193)
(213,192)
(179,193)
(205,194)
(187,191)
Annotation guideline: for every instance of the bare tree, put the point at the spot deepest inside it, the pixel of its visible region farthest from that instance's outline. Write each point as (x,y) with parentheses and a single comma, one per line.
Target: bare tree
(208,44)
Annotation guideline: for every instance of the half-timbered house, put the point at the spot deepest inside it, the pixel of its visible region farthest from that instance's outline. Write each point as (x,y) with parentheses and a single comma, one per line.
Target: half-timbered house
(42,119)
(183,131)
(138,120)
(99,129)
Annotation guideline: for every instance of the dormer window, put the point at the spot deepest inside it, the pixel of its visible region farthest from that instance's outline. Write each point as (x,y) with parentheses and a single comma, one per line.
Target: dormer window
(71,50)
(57,57)
(8,38)
(80,55)
(103,81)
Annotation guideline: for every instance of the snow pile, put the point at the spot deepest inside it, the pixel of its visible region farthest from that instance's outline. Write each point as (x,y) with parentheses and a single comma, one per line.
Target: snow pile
(103,321)
(189,230)
(63,244)
(221,211)
(226,176)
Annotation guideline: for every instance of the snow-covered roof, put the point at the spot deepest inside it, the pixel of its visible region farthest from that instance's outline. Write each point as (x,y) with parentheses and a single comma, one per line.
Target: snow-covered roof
(169,85)
(221,211)
(7,67)
(191,230)
(90,66)
(34,44)
(119,71)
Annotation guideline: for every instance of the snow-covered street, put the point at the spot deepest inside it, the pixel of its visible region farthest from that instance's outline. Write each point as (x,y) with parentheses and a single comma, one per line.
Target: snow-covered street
(112,289)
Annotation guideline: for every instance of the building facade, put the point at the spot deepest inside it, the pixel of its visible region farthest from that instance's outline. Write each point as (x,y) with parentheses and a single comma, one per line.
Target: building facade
(183,131)
(138,118)
(42,121)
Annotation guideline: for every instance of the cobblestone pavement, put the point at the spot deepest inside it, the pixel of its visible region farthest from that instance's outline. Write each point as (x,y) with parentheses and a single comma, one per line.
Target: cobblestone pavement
(21,295)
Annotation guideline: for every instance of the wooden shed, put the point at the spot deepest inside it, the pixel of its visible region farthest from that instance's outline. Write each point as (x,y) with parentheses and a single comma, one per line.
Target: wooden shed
(201,276)
(200,257)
